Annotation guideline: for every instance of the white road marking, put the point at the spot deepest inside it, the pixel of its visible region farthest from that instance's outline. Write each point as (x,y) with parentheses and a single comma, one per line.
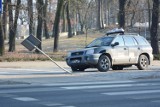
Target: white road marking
(132,92)
(88,83)
(107,86)
(97,86)
(67,106)
(25,99)
(53,104)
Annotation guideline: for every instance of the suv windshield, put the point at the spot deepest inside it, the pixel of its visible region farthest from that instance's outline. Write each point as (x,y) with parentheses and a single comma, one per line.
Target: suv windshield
(105,41)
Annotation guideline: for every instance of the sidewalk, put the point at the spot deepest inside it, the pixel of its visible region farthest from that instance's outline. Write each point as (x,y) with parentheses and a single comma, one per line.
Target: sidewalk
(41,72)
(32,64)
(44,64)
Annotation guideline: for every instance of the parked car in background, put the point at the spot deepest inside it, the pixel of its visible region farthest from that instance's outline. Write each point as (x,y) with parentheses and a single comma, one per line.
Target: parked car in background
(115,50)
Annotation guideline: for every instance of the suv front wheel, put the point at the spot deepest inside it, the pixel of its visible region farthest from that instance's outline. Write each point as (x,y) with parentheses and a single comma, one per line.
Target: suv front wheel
(143,62)
(104,63)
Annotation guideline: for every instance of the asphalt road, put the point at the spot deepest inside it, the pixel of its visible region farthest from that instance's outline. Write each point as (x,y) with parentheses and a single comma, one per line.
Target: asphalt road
(128,93)
(52,87)
(14,76)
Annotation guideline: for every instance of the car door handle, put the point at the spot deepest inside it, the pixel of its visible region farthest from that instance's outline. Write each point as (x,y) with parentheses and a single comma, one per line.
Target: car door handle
(125,48)
(139,48)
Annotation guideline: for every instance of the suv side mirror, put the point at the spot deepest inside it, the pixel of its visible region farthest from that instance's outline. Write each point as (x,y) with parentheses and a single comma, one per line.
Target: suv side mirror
(115,44)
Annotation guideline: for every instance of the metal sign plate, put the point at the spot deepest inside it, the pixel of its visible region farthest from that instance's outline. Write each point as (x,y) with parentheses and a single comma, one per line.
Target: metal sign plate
(30,42)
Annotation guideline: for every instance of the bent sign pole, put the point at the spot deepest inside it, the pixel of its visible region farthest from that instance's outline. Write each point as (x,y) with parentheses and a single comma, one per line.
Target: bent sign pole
(31,43)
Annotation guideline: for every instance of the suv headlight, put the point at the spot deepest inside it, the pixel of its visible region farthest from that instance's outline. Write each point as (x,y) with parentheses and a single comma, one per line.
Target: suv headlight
(89,52)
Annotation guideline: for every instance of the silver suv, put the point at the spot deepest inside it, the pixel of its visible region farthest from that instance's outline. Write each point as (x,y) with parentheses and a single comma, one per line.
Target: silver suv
(115,50)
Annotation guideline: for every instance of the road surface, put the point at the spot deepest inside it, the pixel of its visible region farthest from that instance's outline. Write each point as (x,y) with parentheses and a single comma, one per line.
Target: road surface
(128,93)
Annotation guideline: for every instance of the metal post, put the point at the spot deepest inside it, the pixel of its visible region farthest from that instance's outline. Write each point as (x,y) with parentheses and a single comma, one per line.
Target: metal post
(48,57)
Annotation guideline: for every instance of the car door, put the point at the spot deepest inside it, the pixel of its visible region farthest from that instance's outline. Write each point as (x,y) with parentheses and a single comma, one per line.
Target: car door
(133,49)
(120,53)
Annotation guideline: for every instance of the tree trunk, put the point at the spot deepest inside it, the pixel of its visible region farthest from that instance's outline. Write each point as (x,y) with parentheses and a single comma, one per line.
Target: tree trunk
(56,25)
(69,22)
(45,20)
(149,13)
(1,39)
(13,26)
(154,27)
(102,14)
(64,27)
(40,22)
(99,15)
(132,18)
(80,21)
(30,15)
(121,16)
(4,20)
(11,30)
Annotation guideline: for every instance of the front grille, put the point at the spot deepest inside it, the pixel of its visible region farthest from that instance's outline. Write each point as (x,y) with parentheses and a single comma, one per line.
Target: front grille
(77,53)
(75,60)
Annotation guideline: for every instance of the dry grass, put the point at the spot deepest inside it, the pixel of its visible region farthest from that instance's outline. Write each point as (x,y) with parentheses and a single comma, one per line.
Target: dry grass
(65,45)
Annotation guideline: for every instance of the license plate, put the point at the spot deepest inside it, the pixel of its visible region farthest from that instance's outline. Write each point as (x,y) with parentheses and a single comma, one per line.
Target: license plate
(76,61)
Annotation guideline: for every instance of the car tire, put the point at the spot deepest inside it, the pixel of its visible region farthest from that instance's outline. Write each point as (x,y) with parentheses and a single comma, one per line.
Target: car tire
(104,63)
(143,62)
(74,69)
(117,67)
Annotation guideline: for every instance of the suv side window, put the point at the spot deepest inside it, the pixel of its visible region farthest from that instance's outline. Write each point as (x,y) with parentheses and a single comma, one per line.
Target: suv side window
(129,41)
(120,40)
(141,40)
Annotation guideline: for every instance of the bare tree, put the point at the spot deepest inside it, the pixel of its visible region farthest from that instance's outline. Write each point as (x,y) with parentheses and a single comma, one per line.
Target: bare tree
(45,20)
(121,15)
(1,39)
(56,24)
(68,20)
(83,8)
(154,27)
(130,11)
(100,23)
(13,25)
(149,13)
(30,16)
(64,25)
(4,19)
(40,5)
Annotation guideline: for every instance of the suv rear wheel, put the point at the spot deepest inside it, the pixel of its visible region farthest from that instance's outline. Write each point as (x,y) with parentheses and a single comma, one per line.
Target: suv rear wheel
(104,63)
(143,62)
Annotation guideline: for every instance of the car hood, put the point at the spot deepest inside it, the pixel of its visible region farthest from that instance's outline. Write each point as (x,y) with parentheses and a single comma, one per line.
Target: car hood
(97,49)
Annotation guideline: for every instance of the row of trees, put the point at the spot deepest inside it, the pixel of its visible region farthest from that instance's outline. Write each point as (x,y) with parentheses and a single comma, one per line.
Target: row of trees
(75,15)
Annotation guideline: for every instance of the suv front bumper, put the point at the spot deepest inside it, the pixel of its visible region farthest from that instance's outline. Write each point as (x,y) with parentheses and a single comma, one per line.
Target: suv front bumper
(83,60)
